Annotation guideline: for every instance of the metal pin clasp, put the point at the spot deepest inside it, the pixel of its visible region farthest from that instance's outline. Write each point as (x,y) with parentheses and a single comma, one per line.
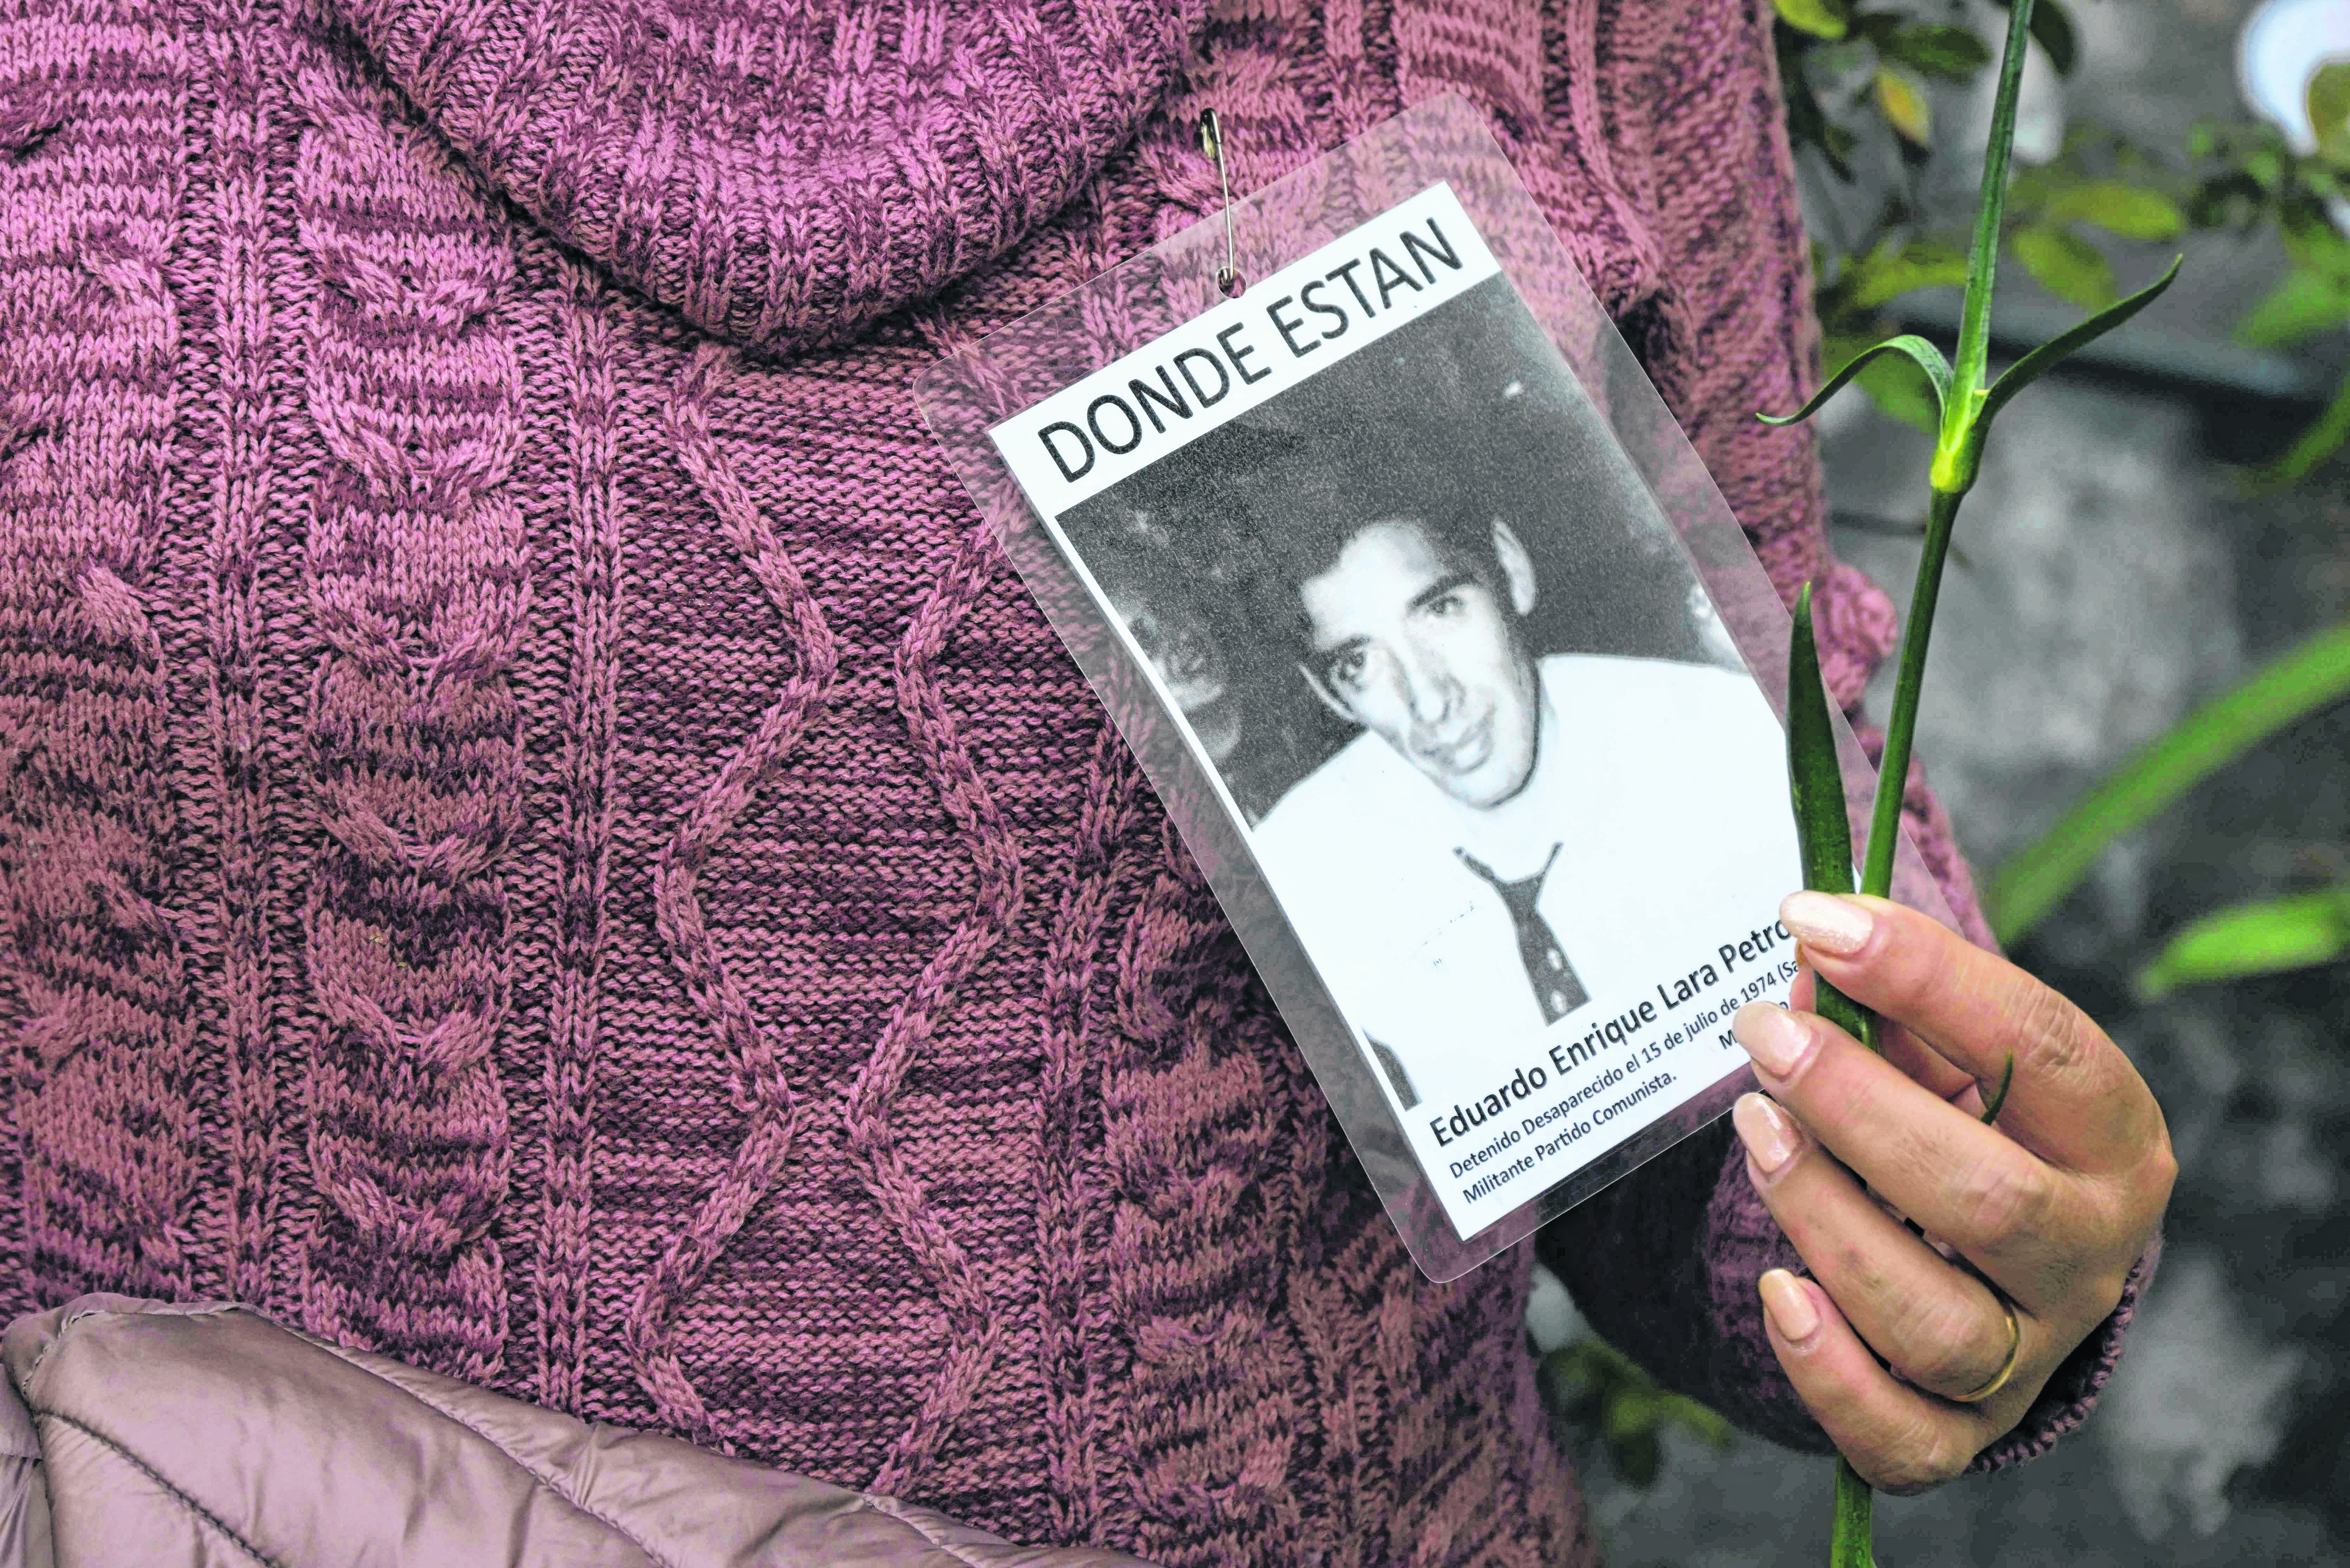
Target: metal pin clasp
(1212,142)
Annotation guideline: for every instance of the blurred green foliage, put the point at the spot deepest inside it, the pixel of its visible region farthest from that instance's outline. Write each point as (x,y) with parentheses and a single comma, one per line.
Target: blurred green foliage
(1854,76)
(2251,178)
(2031,883)
(1599,1390)
(2264,937)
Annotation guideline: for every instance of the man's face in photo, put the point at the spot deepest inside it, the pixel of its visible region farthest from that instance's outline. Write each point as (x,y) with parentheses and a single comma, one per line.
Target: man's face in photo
(1425,654)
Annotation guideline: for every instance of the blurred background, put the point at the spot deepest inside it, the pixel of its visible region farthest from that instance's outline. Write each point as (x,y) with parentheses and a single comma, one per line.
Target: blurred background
(2162,537)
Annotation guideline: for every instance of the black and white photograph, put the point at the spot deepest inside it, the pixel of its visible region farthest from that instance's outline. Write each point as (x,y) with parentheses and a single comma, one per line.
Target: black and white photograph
(1494,753)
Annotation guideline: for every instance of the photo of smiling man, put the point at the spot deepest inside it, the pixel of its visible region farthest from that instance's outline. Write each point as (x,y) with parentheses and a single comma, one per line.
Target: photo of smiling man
(1473,866)
(1514,787)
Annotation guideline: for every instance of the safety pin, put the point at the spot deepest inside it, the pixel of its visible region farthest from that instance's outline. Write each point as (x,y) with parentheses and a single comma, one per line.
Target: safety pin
(1212,142)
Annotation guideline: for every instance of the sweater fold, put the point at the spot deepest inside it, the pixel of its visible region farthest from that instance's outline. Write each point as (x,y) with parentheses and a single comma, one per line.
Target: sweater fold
(783,174)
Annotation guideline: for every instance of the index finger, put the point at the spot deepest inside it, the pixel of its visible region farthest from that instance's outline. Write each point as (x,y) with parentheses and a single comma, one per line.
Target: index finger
(2076,1101)
(1904,1050)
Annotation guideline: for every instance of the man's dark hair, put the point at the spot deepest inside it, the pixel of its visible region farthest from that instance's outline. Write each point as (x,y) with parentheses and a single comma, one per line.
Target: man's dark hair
(1309,518)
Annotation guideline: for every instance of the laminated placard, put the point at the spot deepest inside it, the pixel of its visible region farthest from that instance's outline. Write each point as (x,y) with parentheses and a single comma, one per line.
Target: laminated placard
(1442,651)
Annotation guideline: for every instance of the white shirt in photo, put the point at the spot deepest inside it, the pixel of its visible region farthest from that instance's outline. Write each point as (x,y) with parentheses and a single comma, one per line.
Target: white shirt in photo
(1655,819)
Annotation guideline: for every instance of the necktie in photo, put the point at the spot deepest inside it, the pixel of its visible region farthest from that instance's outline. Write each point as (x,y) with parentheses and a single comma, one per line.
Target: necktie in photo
(1556,990)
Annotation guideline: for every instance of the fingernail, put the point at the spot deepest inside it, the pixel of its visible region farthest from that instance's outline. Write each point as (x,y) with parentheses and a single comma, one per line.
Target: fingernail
(1837,927)
(1790,1307)
(1770,1137)
(1773,1036)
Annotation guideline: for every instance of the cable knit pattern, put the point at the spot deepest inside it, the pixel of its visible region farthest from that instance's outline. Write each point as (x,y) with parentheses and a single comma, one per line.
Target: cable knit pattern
(973,1319)
(762,1089)
(538,835)
(237,441)
(418,583)
(1072,1233)
(93,106)
(589,700)
(1201,1225)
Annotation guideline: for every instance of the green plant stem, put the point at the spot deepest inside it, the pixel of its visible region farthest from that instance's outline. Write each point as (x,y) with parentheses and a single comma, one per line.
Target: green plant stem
(1901,731)
(1958,456)
(1848,1540)
(1968,402)
(1982,255)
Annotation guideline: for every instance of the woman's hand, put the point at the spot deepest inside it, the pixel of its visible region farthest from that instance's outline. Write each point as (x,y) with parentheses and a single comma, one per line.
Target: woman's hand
(2051,1206)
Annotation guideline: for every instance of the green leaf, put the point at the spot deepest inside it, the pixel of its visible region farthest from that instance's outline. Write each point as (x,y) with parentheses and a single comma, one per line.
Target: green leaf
(2327,98)
(2133,212)
(1950,54)
(1900,390)
(2313,244)
(1902,101)
(2324,436)
(1898,387)
(1633,1411)
(2065,265)
(2036,878)
(1808,124)
(1837,62)
(1998,1096)
(2049,355)
(1829,19)
(1814,779)
(1815,784)
(1697,1420)
(1929,357)
(2227,201)
(2265,168)
(2052,29)
(2305,304)
(1893,268)
(2254,939)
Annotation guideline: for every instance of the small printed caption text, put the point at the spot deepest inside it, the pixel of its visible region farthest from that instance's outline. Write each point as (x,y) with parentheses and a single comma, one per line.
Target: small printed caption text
(1686,1009)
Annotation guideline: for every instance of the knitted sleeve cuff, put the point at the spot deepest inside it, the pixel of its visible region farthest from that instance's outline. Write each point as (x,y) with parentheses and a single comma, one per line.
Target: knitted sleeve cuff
(2073,1392)
(1746,1242)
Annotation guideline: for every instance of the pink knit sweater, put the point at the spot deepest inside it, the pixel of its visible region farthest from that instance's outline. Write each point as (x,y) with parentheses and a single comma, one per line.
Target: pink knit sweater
(538,836)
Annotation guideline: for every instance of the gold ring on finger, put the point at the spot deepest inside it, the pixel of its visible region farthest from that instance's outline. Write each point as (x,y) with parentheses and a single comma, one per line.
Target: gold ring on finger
(2007,1368)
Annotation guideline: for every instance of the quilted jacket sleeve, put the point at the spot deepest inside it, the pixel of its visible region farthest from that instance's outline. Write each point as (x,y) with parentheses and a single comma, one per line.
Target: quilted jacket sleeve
(202,1434)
